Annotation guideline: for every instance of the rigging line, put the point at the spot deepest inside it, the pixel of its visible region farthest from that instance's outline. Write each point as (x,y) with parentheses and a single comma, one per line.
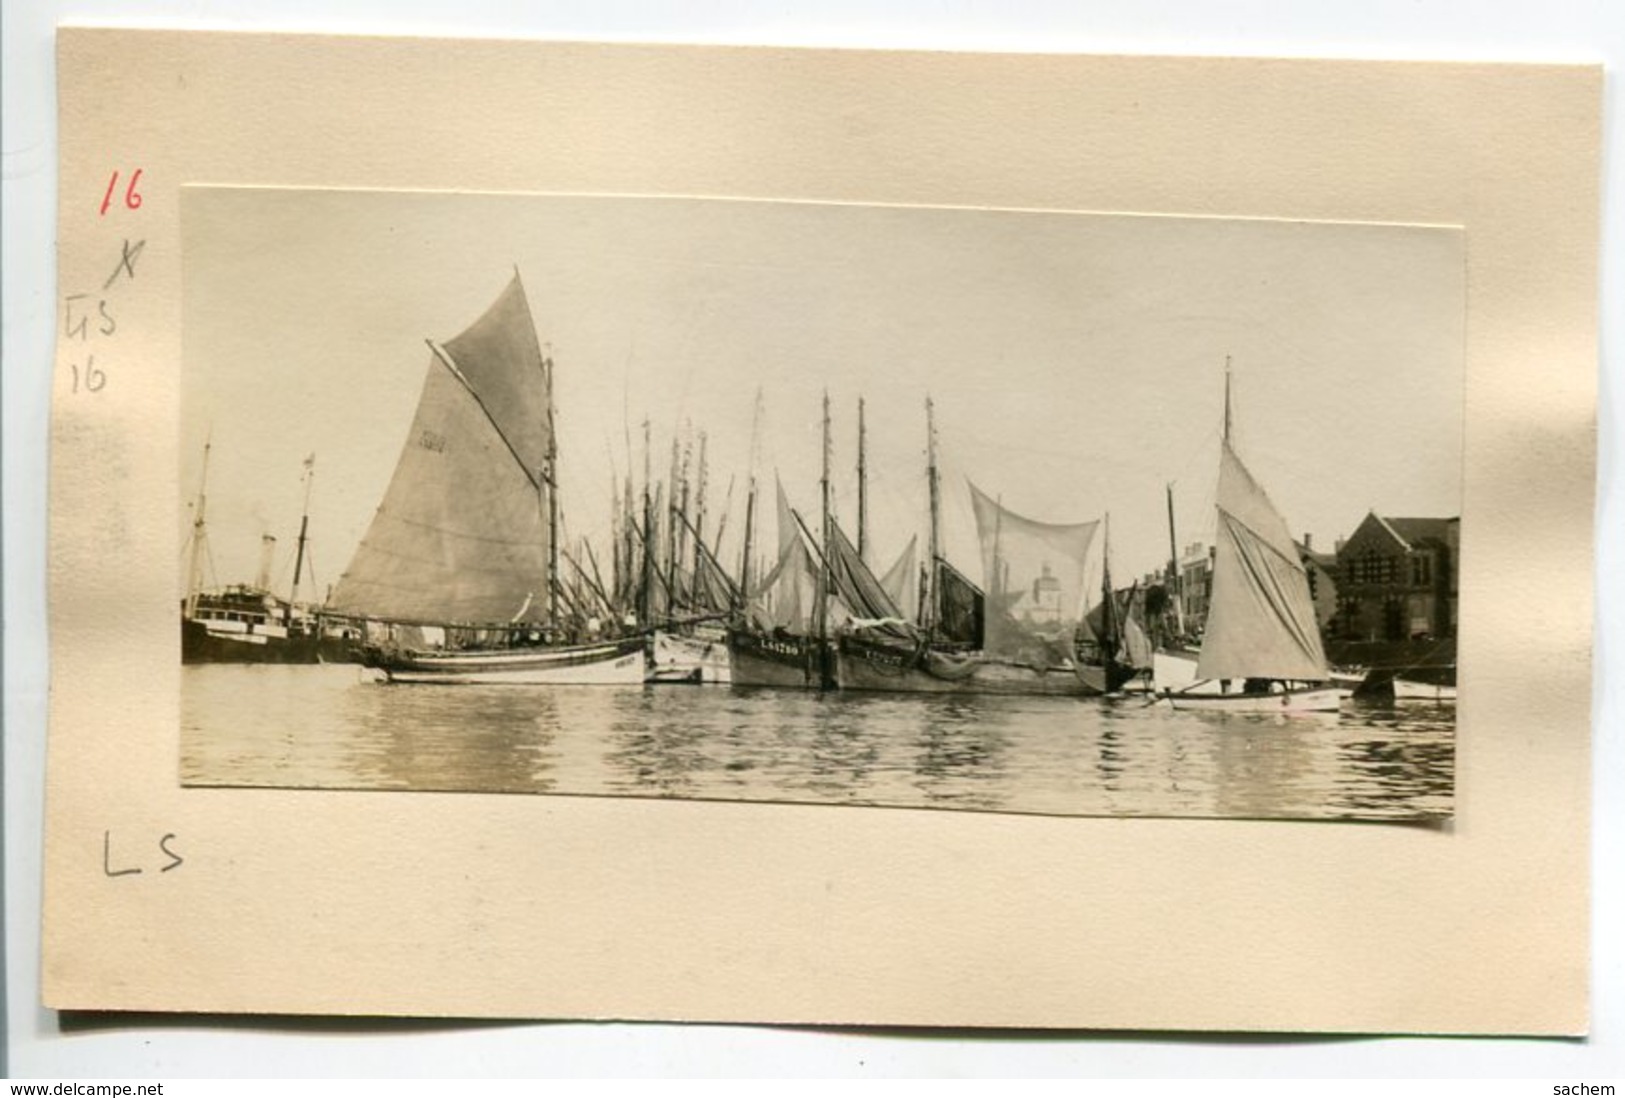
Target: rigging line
(446,360)
(733,588)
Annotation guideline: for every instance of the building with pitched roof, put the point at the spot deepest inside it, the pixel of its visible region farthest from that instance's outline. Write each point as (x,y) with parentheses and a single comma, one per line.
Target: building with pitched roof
(1397,579)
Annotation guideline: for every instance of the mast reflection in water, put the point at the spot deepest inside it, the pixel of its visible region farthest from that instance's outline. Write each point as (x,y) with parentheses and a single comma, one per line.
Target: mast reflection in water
(324,727)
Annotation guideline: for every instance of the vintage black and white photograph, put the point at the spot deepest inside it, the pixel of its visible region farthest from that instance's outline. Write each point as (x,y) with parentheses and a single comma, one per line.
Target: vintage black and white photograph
(1000,510)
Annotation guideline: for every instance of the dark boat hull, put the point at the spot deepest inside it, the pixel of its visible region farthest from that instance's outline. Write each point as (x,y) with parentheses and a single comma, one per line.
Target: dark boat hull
(199,644)
(786,661)
(866,666)
(1108,678)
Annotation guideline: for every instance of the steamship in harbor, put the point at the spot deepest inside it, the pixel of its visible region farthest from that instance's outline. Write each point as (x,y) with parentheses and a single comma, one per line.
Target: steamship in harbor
(248,623)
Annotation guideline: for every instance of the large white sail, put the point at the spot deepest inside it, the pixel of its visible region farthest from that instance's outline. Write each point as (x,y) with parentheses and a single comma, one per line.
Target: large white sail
(1261,622)
(462,534)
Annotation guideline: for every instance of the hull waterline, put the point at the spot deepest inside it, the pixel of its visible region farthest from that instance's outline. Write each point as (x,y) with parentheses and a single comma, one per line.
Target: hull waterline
(620,663)
(884,668)
(201,644)
(1316,699)
(788,662)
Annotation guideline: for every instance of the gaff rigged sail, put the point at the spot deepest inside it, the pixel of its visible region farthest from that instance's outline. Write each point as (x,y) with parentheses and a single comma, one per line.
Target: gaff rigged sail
(462,535)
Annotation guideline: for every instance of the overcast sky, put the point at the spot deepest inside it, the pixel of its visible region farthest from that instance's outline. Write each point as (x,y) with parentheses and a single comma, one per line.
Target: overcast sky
(1076,360)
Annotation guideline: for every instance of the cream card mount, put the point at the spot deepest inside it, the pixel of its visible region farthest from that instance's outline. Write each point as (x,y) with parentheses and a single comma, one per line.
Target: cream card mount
(559,906)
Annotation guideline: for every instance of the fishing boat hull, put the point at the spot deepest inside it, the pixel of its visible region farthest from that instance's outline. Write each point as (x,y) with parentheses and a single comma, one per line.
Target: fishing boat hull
(618,663)
(865,666)
(683,658)
(787,661)
(1316,699)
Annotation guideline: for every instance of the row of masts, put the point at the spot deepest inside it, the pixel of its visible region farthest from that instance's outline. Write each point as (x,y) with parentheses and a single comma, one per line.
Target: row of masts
(686,547)
(666,555)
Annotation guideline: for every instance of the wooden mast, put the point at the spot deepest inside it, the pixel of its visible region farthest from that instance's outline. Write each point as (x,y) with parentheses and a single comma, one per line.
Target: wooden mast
(200,535)
(647,587)
(999,581)
(299,554)
(699,510)
(552,481)
(1175,582)
(929,597)
(823,548)
(1109,628)
(863,488)
(671,532)
(750,507)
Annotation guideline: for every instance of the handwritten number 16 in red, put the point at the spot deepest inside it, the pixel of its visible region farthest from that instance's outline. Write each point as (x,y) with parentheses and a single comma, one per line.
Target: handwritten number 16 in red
(131,198)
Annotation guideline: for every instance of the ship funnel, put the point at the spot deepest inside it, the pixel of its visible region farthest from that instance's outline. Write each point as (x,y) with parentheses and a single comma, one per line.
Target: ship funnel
(267,553)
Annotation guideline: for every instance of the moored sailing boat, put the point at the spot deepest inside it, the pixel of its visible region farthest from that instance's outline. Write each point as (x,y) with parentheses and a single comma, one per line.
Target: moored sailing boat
(781,637)
(690,642)
(459,569)
(1105,664)
(1261,650)
(1018,641)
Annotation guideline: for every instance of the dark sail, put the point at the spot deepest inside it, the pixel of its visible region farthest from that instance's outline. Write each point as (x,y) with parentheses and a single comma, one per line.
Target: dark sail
(961,608)
(859,591)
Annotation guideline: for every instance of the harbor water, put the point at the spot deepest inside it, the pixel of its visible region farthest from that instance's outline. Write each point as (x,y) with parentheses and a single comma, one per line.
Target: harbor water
(332,727)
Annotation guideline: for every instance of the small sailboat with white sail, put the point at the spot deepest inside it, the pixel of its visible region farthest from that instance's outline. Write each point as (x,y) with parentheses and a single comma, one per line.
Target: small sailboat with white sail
(458,575)
(1261,650)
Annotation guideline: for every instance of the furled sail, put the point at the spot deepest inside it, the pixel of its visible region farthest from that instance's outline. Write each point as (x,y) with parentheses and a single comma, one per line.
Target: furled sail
(1261,622)
(462,535)
(860,594)
(1034,576)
